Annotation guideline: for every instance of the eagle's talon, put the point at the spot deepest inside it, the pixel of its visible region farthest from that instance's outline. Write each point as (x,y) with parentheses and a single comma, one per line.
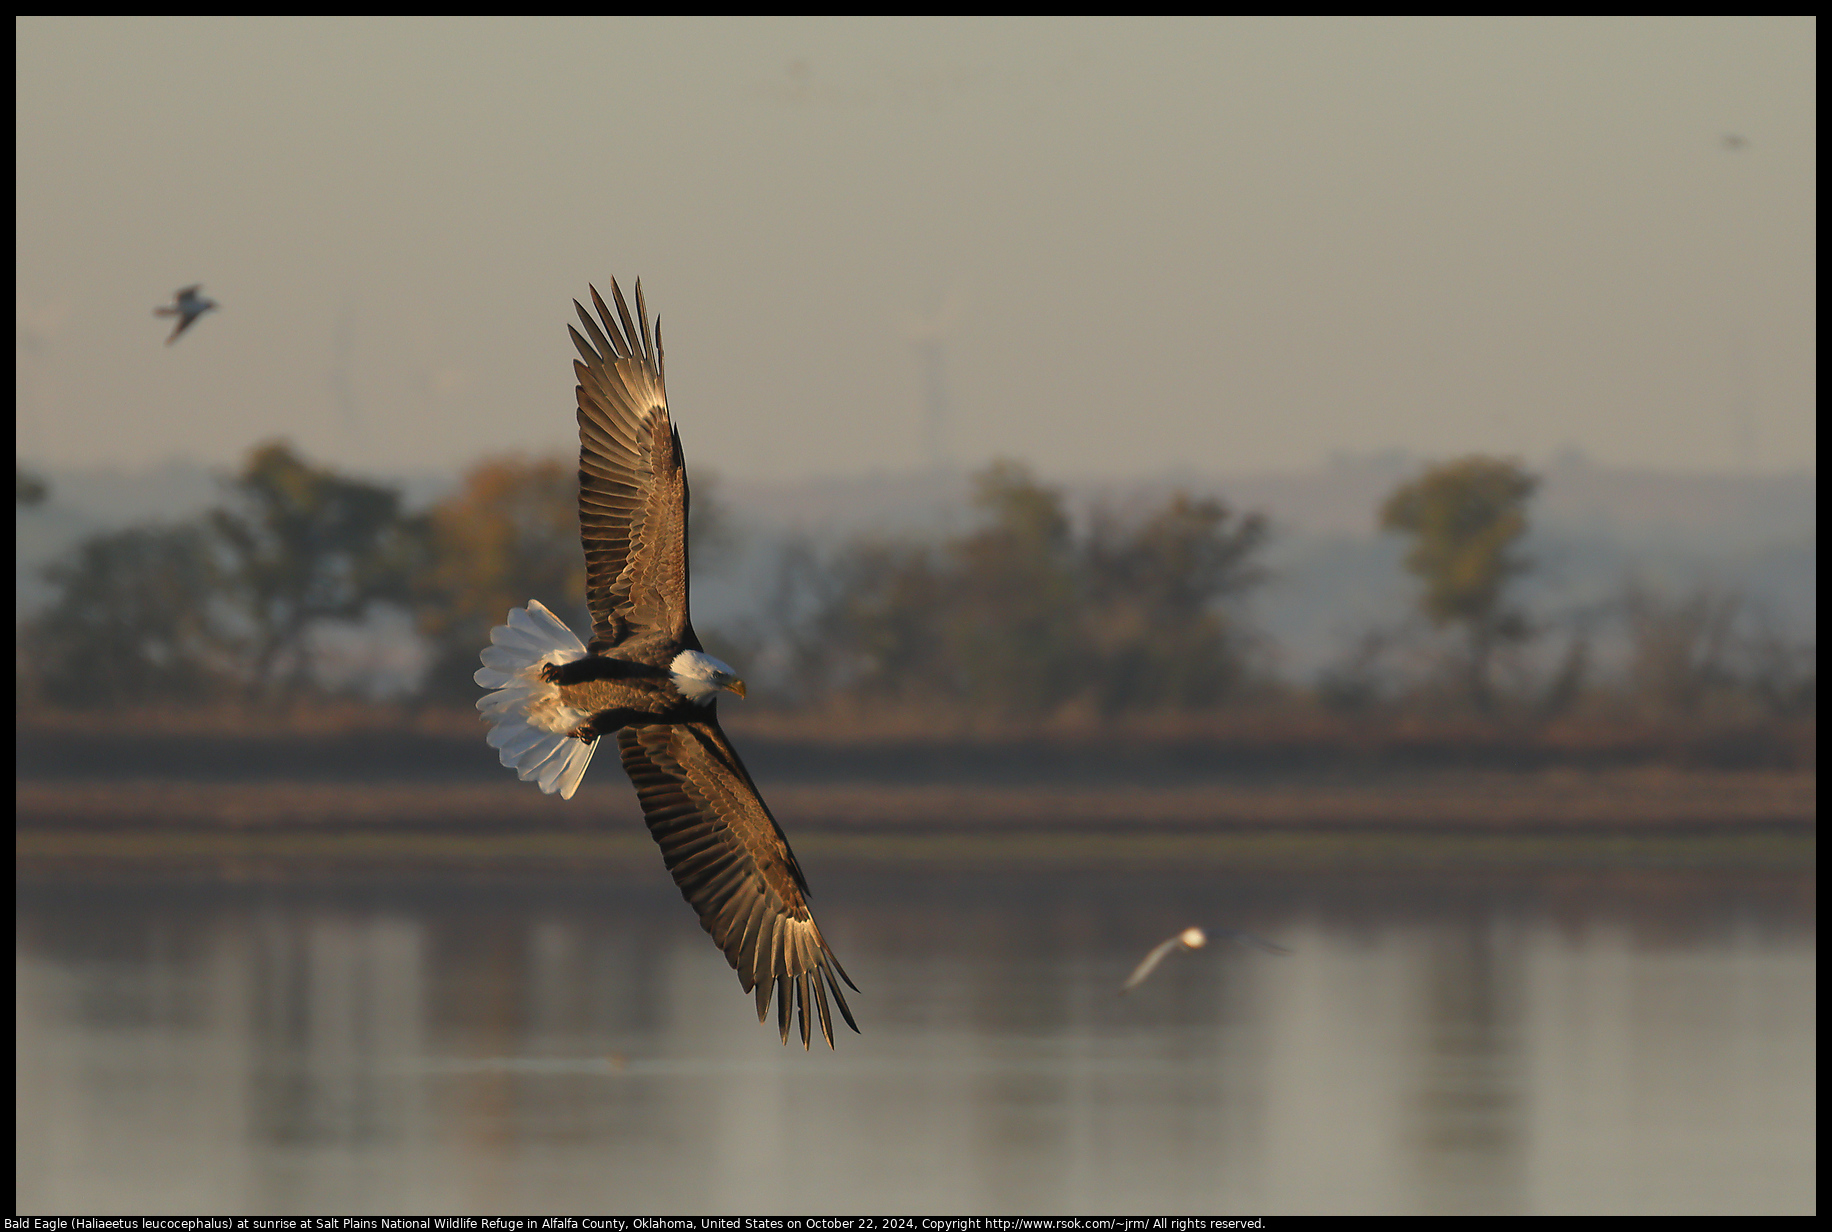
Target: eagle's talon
(583,732)
(550,672)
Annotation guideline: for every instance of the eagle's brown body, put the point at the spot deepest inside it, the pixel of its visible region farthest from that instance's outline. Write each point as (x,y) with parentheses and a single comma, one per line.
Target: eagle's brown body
(617,692)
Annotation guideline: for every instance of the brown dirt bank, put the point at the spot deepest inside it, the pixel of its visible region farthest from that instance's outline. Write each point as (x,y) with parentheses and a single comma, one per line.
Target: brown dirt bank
(377,744)
(1469,801)
(1640,819)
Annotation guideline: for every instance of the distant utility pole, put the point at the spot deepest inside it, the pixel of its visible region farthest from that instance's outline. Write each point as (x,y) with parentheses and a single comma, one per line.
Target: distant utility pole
(1743,409)
(343,386)
(927,334)
(934,402)
(1743,398)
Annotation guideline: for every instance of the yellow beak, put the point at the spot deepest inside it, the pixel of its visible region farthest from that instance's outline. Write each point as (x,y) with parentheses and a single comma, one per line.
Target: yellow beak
(736,686)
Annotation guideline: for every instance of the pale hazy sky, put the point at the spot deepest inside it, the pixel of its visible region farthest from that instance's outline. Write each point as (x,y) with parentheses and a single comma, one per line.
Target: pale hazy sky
(1208,245)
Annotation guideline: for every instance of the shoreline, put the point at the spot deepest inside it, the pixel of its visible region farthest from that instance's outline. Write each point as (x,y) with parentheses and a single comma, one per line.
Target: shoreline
(1472,820)
(345,791)
(1654,799)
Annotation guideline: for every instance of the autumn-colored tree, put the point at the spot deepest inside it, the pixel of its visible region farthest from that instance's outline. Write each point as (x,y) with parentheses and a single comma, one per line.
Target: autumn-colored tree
(509,534)
(1465,518)
(304,545)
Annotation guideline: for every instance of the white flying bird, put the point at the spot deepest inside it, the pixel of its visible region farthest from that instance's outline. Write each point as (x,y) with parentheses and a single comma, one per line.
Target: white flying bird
(187,305)
(1192,939)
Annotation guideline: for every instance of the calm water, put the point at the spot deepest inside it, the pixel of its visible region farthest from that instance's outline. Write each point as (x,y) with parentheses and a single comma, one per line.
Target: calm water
(1553,1043)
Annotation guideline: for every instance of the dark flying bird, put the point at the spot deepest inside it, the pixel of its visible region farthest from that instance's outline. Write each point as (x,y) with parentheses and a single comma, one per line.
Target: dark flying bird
(187,305)
(1192,939)
(645,679)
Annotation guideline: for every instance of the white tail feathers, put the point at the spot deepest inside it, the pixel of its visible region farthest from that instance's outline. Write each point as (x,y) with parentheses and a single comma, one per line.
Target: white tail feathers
(528,722)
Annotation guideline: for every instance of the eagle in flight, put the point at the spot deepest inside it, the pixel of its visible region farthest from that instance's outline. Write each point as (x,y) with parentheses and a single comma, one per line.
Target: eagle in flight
(645,680)
(187,305)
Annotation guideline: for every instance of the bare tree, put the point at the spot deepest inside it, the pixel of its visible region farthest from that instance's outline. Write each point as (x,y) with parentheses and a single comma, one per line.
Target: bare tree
(1680,649)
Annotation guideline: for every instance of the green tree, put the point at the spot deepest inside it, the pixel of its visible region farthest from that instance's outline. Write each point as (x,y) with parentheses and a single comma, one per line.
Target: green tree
(1155,623)
(1020,616)
(31,488)
(305,545)
(985,620)
(1013,598)
(875,626)
(1465,518)
(132,622)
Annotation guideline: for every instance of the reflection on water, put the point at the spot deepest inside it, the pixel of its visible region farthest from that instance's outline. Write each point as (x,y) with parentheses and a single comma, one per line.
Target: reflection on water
(1629,1043)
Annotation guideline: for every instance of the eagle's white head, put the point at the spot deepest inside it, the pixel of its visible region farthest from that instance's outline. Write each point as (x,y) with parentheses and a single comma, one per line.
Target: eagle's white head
(700,677)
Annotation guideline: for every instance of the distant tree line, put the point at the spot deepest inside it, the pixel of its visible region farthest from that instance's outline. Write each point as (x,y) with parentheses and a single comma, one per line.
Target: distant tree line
(1707,650)
(1023,616)
(227,603)
(1036,610)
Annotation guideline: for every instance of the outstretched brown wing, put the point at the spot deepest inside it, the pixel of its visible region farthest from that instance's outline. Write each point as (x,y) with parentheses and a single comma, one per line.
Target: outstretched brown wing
(632,481)
(733,864)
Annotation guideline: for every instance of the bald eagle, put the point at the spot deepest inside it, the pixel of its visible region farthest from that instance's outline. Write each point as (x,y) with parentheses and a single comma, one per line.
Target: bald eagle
(645,679)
